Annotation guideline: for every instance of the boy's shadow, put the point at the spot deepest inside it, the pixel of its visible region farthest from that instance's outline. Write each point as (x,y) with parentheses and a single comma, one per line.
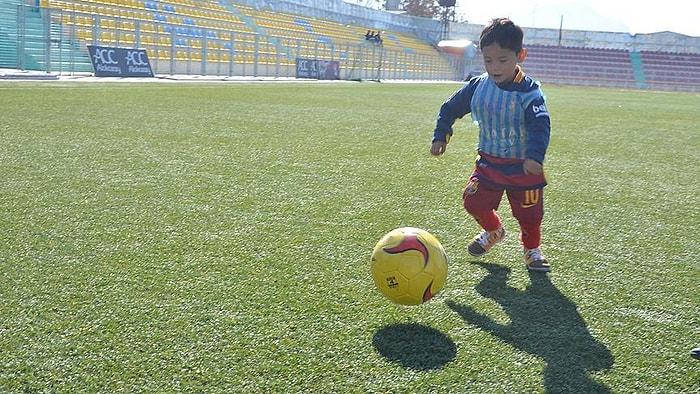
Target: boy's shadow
(544,323)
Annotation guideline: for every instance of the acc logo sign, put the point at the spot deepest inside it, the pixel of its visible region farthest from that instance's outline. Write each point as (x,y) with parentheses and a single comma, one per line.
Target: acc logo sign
(136,58)
(119,62)
(104,56)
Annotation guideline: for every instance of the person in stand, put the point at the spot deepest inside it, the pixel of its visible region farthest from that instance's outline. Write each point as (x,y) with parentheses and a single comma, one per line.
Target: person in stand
(514,130)
(378,38)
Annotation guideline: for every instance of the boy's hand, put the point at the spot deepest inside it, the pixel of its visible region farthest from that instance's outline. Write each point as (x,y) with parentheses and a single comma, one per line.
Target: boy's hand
(438,148)
(531,167)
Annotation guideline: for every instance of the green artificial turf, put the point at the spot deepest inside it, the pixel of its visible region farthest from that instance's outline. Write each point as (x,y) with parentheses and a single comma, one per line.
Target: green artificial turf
(175,237)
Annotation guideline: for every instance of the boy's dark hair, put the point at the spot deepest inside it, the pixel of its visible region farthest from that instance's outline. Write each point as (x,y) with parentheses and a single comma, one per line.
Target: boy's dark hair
(503,32)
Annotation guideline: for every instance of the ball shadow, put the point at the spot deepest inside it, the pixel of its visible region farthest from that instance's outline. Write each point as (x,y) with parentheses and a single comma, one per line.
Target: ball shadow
(414,346)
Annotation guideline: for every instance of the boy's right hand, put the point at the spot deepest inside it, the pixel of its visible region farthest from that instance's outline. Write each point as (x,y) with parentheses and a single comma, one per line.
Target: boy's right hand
(438,148)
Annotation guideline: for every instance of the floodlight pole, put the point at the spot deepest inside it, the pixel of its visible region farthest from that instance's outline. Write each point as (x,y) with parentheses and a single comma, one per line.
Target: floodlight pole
(447,11)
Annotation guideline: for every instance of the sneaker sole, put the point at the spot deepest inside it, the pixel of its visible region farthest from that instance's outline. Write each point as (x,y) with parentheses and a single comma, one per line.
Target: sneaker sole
(476,254)
(538,269)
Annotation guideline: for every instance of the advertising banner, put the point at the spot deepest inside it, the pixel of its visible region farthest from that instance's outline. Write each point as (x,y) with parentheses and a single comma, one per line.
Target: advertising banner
(119,62)
(318,69)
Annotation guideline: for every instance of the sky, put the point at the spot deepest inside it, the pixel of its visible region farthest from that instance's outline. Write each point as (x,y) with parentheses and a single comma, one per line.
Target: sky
(626,16)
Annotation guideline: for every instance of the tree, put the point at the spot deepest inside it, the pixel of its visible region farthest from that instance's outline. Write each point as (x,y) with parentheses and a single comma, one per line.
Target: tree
(422,8)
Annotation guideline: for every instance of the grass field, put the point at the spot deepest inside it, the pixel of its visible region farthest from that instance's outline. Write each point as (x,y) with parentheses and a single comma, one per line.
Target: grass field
(216,238)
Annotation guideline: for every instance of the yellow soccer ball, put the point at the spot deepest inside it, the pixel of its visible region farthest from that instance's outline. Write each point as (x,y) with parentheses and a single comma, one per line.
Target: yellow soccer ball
(409,266)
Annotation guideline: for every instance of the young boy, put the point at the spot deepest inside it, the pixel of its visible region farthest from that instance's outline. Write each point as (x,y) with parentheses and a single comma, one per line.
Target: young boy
(514,127)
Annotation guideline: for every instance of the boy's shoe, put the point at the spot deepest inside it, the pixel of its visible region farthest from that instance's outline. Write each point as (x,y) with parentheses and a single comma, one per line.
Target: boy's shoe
(695,353)
(483,242)
(535,261)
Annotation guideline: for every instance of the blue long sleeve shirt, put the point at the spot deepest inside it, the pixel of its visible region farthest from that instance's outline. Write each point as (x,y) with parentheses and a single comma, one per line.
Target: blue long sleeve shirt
(513,119)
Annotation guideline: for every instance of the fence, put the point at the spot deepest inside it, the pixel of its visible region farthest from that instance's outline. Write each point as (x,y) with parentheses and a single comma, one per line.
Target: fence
(54,40)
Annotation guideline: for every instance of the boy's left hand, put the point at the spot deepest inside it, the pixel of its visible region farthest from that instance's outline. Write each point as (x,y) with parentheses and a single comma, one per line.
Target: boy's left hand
(438,148)
(531,167)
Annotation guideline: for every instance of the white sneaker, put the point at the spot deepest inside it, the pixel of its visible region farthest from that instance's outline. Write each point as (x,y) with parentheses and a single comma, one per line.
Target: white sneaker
(483,242)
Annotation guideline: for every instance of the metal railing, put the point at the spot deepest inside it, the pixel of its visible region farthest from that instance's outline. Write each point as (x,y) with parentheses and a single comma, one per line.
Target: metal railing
(54,40)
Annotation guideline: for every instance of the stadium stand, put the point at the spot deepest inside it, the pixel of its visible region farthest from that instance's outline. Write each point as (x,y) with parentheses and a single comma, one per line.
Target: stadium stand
(244,37)
(619,68)
(671,71)
(580,66)
(234,32)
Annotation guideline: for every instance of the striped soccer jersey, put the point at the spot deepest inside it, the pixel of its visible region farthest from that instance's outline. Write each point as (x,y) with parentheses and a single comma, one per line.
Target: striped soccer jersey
(513,119)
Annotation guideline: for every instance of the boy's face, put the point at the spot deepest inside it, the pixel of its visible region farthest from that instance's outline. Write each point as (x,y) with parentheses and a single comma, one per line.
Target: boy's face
(500,63)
